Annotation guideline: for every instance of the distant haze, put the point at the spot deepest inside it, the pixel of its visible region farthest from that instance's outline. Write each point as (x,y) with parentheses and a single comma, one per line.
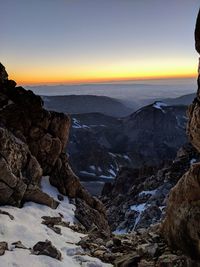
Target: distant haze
(140,92)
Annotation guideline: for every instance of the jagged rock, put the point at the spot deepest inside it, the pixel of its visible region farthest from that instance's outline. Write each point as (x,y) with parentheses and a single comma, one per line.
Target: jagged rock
(51,221)
(33,142)
(171,260)
(3,248)
(7,213)
(90,217)
(130,260)
(197,34)
(64,179)
(148,249)
(3,74)
(19,244)
(137,198)
(35,194)
(181,225)
(46,248)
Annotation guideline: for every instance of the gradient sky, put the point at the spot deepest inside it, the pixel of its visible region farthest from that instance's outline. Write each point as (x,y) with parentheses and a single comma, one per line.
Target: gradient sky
(97,40)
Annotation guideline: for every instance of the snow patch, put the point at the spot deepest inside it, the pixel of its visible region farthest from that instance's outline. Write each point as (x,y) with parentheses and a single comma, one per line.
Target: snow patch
(106,177)
(159,105)
(112,172)
(87,173)
(138,208)
(92,167)
(192,161)
(150,192)
(77,125)
(27,228)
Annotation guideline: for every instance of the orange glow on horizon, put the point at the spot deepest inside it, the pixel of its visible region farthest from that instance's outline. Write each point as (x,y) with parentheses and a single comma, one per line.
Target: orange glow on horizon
(123,71)
(24,81)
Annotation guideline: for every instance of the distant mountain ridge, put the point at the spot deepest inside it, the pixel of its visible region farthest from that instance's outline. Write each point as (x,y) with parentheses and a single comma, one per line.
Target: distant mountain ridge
(149,136)
(182,100)
(79,104)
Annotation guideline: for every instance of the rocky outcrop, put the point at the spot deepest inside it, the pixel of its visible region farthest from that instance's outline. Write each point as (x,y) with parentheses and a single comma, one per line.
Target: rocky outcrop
(3,248)
(143,248)
(181,225)
(33,143)
(183,213)
(137,198)
(20,172)
(46,248)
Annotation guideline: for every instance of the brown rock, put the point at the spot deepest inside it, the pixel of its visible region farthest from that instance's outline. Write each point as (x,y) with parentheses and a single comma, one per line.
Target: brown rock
(33,144)
(130,260)
(34,194)
(8,214)
(3,248)
(90,217)
(19,244)
(170,260)
(46,248)
(181,226)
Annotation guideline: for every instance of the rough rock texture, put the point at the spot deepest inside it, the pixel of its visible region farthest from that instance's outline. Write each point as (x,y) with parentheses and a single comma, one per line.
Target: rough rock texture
(137,198)
(183,213)
(142,248)
(181,226)
(33,143)
(46,248)
(3,248)
(89,217)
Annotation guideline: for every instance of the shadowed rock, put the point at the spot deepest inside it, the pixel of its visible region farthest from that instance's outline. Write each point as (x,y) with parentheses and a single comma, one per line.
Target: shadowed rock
(181,226)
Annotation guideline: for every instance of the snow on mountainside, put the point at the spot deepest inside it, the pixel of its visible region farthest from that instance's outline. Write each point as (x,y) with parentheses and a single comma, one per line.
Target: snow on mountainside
(27,227)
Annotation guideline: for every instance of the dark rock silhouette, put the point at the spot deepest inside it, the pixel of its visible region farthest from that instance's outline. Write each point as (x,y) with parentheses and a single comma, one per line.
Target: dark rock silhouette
(33,142)
(181,226)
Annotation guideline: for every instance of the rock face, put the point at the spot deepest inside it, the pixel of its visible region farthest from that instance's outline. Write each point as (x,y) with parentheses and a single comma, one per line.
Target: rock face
(181,226)
(33,142)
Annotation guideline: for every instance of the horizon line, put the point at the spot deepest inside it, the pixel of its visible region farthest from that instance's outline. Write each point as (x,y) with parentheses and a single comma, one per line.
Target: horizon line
(98,81)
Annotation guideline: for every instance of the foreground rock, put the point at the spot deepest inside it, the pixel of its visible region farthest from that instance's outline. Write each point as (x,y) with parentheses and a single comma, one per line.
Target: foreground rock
(142,248)
(181,225)
(3,247)
(33,143)
(46,248)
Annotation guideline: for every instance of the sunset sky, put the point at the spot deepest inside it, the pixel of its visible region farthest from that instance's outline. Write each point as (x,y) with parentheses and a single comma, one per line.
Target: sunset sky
(72,41)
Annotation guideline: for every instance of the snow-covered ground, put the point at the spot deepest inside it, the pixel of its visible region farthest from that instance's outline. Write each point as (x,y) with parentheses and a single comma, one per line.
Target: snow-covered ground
(27,228)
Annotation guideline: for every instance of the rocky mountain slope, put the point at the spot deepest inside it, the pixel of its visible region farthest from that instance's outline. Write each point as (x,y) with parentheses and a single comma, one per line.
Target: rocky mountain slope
(182,100)
(138,197)
(150,136)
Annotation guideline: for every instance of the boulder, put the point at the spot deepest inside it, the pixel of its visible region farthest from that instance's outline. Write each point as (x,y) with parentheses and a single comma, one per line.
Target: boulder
(46,248)
(90,217)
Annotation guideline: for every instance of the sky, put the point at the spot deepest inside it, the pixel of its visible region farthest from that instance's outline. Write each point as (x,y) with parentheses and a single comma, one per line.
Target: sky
(73,41)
